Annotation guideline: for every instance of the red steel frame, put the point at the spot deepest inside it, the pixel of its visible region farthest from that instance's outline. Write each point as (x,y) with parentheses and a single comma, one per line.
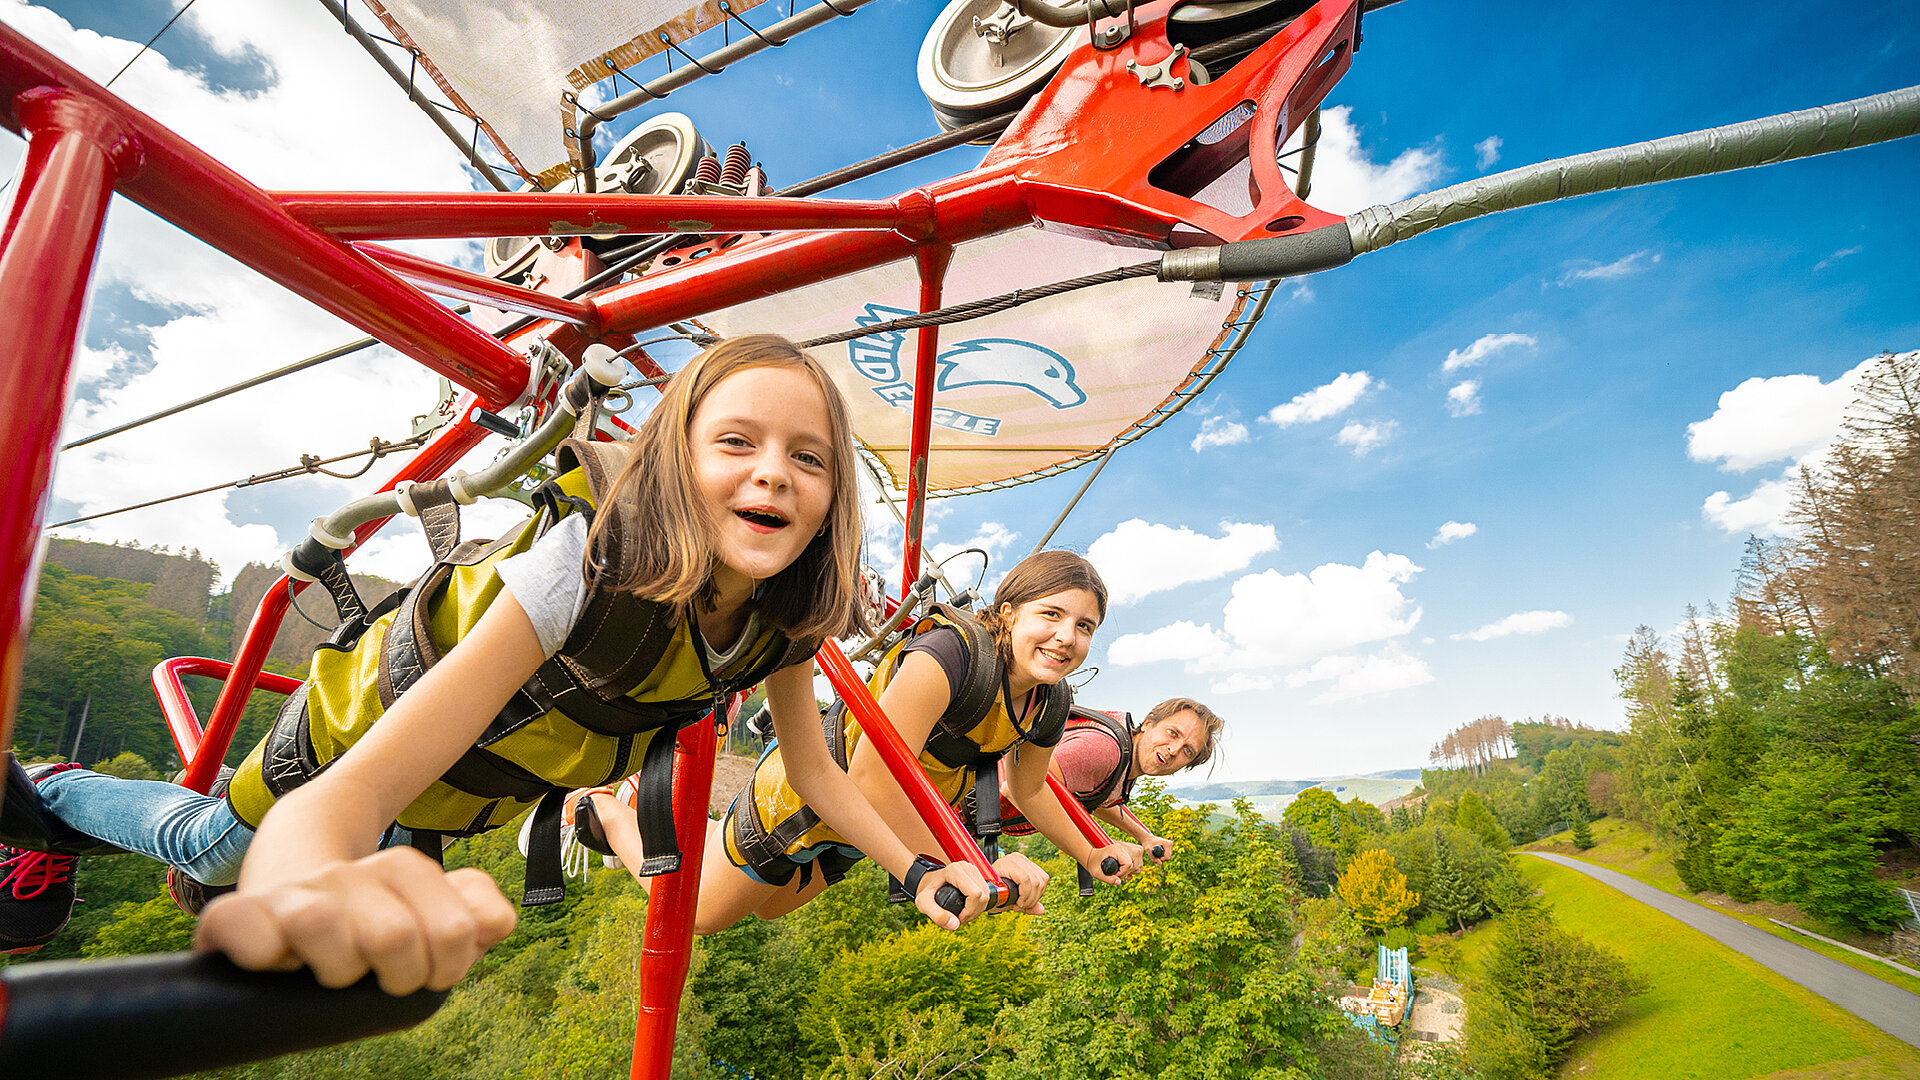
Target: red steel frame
(1076,159)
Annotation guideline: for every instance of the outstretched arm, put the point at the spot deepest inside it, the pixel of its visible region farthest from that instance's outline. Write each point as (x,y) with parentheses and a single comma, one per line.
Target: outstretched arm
(850,807)
(1120,818)
(314,892)
(1027,784)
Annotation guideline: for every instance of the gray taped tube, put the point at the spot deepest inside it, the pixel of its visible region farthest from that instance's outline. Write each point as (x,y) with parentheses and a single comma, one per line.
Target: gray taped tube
(1770,139)
(1261,260)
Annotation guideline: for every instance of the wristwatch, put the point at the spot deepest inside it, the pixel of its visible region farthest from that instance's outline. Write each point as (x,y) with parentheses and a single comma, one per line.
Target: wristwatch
(922,865)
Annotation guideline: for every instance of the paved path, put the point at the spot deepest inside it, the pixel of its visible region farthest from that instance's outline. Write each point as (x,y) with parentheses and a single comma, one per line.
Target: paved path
(1880,1003)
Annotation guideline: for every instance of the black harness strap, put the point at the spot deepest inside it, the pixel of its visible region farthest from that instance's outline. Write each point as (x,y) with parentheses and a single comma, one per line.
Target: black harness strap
(546,882)
(653,807)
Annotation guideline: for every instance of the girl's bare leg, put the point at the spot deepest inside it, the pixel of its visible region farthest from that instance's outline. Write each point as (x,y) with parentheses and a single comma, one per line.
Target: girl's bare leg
(787,897)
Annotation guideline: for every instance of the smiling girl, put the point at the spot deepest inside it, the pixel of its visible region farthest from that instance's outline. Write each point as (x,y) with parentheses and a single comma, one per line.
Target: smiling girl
(964,693)
(724,552)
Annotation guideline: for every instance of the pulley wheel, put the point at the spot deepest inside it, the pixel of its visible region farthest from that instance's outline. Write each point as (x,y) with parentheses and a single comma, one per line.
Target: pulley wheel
(1203,22)
(982,58)
(656,158)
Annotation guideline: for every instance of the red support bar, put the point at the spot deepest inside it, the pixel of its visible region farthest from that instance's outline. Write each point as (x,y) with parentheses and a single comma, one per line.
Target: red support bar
(433,459)
(1090,829)
(407,215)
(178,707)
(1135,818)
(954,839)
(932,260)
(187,187)
(667,944)
(444,280)
(75,153)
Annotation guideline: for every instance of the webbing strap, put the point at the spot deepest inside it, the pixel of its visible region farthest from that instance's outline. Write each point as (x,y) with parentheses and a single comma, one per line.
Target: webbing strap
(439,515)
(986,803)
(546,883)
(429,843)
(332,574)
(653,807)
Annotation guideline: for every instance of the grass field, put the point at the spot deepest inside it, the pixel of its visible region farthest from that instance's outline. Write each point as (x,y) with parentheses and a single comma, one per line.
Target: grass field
(1632,851)
(1712,1014)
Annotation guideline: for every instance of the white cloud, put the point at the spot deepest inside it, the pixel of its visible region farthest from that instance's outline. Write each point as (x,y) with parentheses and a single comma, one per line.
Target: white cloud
(1219,431)
(1783,418)
(1364,437)
(1762,510)
(1240,682)
(1464,398)
(1836,257)
(1790,418)
(1587,270)
(1484,346)
(1356,677)
(1522,622)
(1451,531)
(1321,402)
(1177,641)
(1345,179)
(1138,558)
(1486,152)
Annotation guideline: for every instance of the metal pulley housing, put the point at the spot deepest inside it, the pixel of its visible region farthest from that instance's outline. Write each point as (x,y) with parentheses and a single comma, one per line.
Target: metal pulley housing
(983,58)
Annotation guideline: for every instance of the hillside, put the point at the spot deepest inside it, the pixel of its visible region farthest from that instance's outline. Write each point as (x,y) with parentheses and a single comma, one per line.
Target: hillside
(1270,797)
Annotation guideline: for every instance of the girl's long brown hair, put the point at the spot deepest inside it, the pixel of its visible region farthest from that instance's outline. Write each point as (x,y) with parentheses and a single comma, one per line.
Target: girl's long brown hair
(1042,573)
(673,529)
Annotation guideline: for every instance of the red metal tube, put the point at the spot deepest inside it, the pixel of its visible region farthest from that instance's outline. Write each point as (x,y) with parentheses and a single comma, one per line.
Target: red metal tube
(395,215)
(444,280)
(932,260)
(178,707)
(955,842)
(75,153)
(1135,818)
(1090,829)
(189,188)
(433,459)
(667,944)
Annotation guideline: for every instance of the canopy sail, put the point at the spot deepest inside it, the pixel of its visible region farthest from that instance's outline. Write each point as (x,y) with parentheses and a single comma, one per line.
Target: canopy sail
(1019,394)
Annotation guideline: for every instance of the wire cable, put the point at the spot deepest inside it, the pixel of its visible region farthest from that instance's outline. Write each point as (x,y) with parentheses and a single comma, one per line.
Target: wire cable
(309,465)
(978,308)
(149,44)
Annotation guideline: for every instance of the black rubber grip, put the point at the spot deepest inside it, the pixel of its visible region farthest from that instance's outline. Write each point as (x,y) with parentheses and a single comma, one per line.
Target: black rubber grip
(1159,851)
(1287,256)
(170,1014)
(951,898)
(1109,866)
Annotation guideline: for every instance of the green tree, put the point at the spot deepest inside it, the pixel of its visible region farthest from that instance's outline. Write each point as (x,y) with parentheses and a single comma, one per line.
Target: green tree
(1320,814)
(1186,973)
(861,997)
(1806,834)
(157,925)
(1472,814)
(1558,984)
(1450,894)
(1582,832)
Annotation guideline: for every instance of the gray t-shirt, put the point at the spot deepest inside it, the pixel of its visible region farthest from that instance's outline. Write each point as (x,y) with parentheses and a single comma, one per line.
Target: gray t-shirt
(551,588)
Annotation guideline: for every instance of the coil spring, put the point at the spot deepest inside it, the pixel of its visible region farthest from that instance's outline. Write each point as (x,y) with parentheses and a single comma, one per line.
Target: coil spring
(708,171)
(735,169)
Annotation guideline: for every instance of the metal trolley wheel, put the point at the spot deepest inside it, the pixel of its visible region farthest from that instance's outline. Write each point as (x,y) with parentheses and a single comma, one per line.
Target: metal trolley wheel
(656,158)
(983,58)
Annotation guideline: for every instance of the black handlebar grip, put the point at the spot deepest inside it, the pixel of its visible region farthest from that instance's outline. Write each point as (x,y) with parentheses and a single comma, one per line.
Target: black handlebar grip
(1159,851)
(951,898)
(176,1013)
(1109,866)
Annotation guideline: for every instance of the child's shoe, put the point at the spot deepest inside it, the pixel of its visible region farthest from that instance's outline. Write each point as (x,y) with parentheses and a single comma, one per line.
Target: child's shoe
(36,898)
(580,835)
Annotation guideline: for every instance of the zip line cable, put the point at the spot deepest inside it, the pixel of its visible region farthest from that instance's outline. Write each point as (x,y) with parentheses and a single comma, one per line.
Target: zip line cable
(149,44)
(309,466)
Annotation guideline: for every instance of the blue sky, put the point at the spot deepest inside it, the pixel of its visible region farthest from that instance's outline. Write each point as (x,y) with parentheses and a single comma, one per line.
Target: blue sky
(1594,332)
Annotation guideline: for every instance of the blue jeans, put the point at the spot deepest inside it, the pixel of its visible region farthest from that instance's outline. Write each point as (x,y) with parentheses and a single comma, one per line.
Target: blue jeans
(197,834)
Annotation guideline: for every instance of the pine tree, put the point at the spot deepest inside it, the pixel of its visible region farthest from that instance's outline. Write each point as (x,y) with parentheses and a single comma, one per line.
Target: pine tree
(1449,894)
(1582,832)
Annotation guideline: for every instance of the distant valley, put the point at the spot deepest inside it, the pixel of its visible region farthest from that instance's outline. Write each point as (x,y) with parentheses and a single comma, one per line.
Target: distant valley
(1270,797)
